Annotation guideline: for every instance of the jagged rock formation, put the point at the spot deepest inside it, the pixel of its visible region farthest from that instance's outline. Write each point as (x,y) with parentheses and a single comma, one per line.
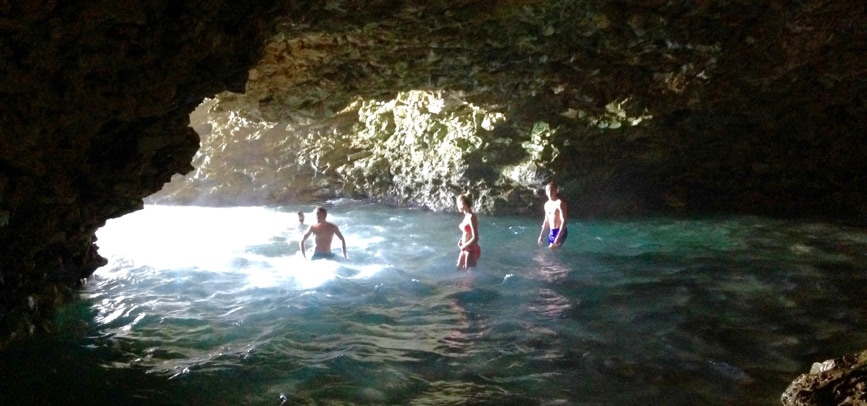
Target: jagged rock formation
(841,381)
(637,105)
(420,149)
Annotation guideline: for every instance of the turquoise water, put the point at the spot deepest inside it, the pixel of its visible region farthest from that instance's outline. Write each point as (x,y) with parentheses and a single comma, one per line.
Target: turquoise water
(215,306)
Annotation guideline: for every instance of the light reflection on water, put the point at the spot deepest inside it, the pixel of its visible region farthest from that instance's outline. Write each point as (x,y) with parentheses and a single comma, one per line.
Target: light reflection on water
(216,306)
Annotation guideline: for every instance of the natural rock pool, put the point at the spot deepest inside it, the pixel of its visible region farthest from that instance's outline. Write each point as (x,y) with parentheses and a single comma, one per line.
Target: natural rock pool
(215,306)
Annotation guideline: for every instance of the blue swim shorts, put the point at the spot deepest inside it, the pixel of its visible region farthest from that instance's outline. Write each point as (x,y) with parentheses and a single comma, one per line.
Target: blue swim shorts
(552,235)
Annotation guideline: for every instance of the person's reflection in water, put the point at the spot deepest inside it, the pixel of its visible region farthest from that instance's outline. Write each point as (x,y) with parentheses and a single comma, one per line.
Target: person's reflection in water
(551,270)
(458,338)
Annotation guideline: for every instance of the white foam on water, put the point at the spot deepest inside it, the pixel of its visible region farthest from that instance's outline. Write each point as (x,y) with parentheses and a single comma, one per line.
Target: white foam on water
(189,237)
(224,240)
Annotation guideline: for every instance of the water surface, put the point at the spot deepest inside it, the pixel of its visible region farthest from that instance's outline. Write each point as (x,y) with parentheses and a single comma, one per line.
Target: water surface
(216,306)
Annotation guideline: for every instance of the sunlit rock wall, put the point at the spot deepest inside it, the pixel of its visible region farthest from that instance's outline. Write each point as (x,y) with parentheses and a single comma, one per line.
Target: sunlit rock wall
(420,149)
(635,107)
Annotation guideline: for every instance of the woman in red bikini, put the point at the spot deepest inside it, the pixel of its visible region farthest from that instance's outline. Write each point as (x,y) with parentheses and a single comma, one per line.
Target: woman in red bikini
(469,242)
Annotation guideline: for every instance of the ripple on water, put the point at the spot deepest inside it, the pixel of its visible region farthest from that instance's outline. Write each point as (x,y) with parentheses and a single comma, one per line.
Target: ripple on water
(656,311)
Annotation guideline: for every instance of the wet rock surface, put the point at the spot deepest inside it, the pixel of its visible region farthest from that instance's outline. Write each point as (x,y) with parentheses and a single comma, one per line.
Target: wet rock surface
(840,381)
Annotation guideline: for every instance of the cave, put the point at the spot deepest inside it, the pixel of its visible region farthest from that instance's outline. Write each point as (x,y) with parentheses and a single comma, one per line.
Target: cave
(650,107)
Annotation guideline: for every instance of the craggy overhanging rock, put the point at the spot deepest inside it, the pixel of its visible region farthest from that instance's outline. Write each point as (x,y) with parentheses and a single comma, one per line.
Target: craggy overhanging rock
(95,100)
(636,107)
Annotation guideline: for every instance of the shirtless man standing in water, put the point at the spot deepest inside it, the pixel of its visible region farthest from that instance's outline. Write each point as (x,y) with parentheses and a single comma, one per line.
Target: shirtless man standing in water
(555,218)
(324,232)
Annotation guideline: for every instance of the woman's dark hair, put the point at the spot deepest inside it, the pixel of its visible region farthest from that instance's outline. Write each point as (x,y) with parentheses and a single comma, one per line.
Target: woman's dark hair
(466,200)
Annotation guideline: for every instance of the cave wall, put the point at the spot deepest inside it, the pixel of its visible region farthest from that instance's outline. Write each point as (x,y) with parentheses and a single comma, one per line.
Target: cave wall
(95,100)
(653,106)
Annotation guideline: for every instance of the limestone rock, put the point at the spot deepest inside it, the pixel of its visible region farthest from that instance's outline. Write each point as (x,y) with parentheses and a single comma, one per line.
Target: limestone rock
(648,106)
